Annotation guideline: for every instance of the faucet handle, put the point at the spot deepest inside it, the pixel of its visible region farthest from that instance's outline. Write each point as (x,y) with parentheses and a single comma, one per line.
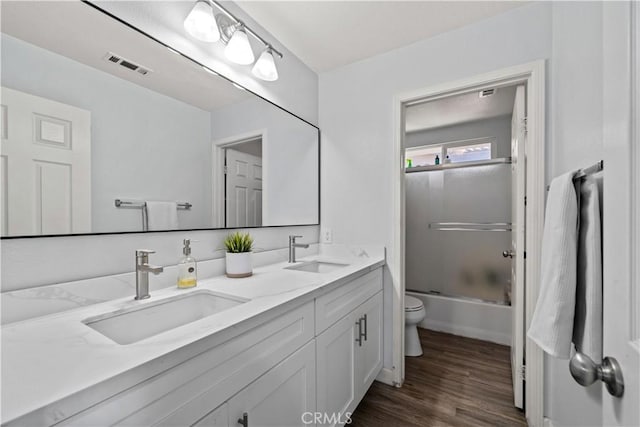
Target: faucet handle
(144,252)
(293,238)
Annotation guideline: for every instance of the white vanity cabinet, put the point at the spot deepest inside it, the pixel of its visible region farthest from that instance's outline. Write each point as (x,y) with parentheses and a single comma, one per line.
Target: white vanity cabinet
(314,358)
(349,352)
(279,398)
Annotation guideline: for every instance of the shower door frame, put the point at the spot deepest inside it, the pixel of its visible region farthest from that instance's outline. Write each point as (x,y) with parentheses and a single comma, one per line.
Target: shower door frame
(532,75)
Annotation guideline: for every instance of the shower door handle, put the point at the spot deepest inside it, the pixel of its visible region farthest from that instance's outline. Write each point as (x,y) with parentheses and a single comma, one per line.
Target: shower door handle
(508,254)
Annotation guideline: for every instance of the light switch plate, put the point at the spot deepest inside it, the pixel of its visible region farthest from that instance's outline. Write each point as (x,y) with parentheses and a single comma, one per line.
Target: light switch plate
(326,235)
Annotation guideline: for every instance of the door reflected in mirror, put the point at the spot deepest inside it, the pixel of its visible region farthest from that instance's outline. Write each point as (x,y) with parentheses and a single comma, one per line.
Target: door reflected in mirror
(115,115)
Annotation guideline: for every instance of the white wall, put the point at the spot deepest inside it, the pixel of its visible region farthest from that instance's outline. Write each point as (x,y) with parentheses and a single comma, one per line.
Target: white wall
(576,125)
(356,118)
(144,145)
(40,261)
(296,89)
(289,158)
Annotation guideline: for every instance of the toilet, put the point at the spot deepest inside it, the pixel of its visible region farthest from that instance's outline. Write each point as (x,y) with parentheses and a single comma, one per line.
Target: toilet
(413,314)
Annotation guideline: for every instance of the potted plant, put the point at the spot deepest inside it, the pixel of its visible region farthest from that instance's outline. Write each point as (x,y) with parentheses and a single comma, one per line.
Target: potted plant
(238,255)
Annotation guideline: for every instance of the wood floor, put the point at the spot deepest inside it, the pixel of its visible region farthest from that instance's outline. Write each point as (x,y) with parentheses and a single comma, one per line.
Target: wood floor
(457,382)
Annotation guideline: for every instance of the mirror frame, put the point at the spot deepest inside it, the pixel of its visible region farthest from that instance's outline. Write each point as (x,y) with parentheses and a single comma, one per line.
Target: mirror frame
(187,57)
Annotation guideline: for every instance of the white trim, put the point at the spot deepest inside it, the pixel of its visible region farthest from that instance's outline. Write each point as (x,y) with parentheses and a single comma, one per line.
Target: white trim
(217,172)
(533,75)
(635,173)
(547,422)
(387,376)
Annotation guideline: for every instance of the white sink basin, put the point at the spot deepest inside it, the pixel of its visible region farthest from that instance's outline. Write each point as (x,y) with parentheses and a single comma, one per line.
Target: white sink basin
(317,266)
(135,324)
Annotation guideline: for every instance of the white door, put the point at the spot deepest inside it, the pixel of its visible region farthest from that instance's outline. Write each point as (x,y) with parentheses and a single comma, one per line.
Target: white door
(369,352)
(243,189)
(282,396)
(45,165)
(518,136)
(336,361)
(621,210)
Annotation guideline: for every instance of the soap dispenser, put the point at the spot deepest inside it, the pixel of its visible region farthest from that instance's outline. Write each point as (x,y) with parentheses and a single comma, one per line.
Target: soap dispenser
(187,268)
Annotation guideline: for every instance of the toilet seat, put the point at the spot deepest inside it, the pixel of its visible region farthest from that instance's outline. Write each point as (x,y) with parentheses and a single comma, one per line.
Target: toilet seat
(412,303)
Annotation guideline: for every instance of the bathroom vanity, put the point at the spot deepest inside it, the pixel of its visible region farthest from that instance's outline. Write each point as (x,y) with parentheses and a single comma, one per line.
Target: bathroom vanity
(291,341)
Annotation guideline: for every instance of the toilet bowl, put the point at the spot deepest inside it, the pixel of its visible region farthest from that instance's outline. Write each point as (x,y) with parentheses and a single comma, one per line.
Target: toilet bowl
(413,314)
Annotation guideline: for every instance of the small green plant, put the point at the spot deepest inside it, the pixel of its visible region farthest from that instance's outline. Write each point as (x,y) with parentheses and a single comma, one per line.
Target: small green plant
(238,242)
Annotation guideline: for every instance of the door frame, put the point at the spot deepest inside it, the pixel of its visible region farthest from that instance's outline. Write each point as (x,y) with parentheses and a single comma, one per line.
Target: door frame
(217,172)
(532,75)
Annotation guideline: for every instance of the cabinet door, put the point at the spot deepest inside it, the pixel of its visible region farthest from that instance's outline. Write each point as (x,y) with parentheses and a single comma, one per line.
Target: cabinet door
(369,354)
(282,396)
(335,358)
(219,417)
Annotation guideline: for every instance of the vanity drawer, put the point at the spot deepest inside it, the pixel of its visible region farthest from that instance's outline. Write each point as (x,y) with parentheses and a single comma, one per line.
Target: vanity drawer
(338,303)
(187,392)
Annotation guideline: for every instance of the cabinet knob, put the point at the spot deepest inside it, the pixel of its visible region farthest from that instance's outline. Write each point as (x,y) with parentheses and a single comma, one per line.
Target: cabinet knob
(244,421)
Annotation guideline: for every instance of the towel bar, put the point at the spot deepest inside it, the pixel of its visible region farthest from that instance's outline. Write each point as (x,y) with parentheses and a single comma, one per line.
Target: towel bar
(122,203)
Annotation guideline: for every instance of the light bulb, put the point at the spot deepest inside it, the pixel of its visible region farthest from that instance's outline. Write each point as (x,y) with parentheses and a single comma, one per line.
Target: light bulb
(201,23)
(265,67)
(238,49)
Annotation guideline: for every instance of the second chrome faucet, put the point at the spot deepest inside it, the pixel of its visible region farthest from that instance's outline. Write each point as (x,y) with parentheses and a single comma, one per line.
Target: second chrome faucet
(143,268)
(292,247)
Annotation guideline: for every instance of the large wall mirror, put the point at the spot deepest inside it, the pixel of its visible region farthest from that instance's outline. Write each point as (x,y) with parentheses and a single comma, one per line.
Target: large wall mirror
(106,130)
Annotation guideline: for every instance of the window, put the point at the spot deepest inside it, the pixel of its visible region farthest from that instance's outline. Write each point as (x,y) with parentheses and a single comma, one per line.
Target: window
(470,150)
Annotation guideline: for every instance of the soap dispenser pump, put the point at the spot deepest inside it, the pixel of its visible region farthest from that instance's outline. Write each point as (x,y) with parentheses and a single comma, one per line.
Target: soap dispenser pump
(187,268)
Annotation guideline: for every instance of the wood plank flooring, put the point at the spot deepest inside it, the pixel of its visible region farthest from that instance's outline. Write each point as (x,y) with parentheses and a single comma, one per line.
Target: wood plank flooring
(457,382)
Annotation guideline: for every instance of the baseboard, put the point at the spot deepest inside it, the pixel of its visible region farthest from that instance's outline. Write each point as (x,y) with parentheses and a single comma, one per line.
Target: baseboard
(388,376)
(466,331)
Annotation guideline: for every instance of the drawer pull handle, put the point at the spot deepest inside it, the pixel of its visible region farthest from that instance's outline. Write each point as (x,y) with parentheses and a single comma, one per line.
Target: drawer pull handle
(244,421)
(364,318)
(359,338)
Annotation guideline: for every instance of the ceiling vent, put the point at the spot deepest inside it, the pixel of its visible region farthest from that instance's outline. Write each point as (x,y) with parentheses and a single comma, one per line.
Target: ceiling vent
(486,92)
(129,65)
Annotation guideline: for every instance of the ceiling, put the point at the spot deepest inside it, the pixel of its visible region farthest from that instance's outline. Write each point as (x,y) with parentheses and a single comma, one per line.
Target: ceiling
(80,32)
(329,34)
(458,109)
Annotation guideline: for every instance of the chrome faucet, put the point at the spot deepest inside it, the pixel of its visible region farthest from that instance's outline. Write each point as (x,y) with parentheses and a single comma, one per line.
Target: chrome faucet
(292,247)
(142,272)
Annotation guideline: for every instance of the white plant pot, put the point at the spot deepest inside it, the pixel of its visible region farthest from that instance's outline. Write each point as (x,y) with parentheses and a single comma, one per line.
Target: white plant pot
(239,264)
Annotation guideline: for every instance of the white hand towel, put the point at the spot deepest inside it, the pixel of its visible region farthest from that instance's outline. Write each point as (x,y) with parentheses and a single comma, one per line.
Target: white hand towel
(587,323)
(162,216)
(552,324)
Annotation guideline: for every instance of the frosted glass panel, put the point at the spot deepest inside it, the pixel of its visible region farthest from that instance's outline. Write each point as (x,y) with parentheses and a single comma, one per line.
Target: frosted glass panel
(459,263)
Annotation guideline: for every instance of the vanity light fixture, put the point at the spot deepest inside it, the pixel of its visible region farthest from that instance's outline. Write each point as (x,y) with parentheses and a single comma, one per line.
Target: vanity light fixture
(265,67)
(201,23)
(204,24)
(238,49)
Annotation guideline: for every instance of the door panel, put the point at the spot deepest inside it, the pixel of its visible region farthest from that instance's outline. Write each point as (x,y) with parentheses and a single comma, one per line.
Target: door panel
(369,354)
(46,167)
(243,189)
(281,396)
(518,136)
(335,358)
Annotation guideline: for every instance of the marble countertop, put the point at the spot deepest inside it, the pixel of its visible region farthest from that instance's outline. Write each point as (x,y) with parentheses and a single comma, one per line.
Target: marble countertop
(50,358)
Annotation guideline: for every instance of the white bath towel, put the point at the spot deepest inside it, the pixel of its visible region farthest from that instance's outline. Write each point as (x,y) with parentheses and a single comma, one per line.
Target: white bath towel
(162,215)
(552,324)
(587,323)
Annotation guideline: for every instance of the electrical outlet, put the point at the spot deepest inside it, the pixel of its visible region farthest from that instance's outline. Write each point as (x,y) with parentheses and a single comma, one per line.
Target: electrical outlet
(327,235)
